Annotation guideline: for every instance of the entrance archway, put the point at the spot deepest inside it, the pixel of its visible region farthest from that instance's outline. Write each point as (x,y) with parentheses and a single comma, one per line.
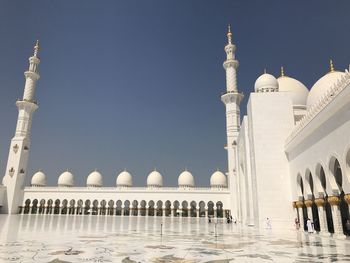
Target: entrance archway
(159,208)
(219,209)
(167,208)
(201,209)
(64,209)
(210,209)
(34,206)
(151,208)
(343,206)
(193,205)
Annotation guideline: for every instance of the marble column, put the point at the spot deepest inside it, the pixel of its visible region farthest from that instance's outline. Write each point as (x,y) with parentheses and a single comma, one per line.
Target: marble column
(299,205)
(322,215)
(338,227)
(206,213)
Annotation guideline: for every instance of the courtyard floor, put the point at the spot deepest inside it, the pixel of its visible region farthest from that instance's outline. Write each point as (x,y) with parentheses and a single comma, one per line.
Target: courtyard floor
(49,238)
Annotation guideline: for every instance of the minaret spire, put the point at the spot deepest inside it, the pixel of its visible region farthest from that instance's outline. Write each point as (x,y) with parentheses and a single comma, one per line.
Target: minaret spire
(36,49)
(229,34)
(331,66)
(20,144)
(282,71)
(232,99)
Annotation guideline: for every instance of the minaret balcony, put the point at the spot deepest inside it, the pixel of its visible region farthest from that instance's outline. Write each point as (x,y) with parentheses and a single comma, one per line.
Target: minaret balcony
(232,97)
(24,100)
(230,63)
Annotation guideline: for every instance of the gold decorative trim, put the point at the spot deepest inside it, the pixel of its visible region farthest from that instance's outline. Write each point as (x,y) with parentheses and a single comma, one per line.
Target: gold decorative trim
(299,204)
(333,200)
(319,202)
(308,203)
(294,204)
(347,198)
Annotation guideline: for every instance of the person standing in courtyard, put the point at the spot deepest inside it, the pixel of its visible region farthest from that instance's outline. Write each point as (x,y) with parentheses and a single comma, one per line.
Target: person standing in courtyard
(310,228)
(268,223)
(297,223)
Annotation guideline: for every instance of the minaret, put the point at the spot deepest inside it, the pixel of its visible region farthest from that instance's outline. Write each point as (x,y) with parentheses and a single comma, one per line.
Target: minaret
(20,144)
(232,99)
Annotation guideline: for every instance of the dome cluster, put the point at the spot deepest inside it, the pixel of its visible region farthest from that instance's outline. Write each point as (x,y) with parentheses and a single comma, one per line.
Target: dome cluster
(124,179)
(298,93)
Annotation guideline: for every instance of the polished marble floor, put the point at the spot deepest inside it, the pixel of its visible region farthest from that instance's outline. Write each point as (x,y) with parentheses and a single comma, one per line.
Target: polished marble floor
(48,238)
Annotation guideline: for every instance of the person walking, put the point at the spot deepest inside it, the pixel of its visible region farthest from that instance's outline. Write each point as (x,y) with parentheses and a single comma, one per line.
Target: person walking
(268,223)
(310,228)
(297,223)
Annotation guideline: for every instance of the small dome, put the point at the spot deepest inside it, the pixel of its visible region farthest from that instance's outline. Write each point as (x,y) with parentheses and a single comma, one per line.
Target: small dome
(94,179)
(155,179)
(297,90)
(218,179)
(124,179)
(266,83)
(66,179)
(322,86)
(185,179)
(38,179)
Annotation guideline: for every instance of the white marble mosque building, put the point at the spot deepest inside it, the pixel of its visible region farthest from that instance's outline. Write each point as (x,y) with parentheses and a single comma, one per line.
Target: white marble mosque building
(288,158)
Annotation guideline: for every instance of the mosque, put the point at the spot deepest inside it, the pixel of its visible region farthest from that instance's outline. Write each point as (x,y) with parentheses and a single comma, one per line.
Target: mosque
(288,159)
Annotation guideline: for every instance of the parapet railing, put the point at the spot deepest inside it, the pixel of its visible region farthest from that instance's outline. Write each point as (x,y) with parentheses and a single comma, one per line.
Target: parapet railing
(325,100)
(122,188)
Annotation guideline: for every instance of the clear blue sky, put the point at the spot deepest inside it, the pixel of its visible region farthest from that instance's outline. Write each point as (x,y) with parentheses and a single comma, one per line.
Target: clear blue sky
(137,84)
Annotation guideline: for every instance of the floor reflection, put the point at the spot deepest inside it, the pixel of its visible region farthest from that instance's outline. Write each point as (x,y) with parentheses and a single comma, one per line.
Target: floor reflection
(61,238)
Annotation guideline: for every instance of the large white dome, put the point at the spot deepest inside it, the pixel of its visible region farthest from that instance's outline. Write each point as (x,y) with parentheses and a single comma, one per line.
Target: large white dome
(38,179)
(185,179)
(155,179)
(66,179)
(322,86)
(218,179)
(124,179)
(297,90)
(266,83)
(94,179)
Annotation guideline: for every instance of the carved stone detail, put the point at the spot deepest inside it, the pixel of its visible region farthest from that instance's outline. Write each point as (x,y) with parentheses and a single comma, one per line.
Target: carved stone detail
(11,171)
(15,148)
(308,203)
(319,202)
(333,200)
(299,204)
(347,198)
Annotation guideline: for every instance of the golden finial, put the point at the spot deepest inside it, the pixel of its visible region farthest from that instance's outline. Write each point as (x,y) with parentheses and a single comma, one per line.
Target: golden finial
(229,34)
(282,71)
(331,66)
(36,48)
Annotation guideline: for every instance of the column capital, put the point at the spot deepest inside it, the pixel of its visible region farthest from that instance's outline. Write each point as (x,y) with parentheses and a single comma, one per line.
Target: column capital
(319,202)
(299,204)
(308,203)
(333,200)
(347,198)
